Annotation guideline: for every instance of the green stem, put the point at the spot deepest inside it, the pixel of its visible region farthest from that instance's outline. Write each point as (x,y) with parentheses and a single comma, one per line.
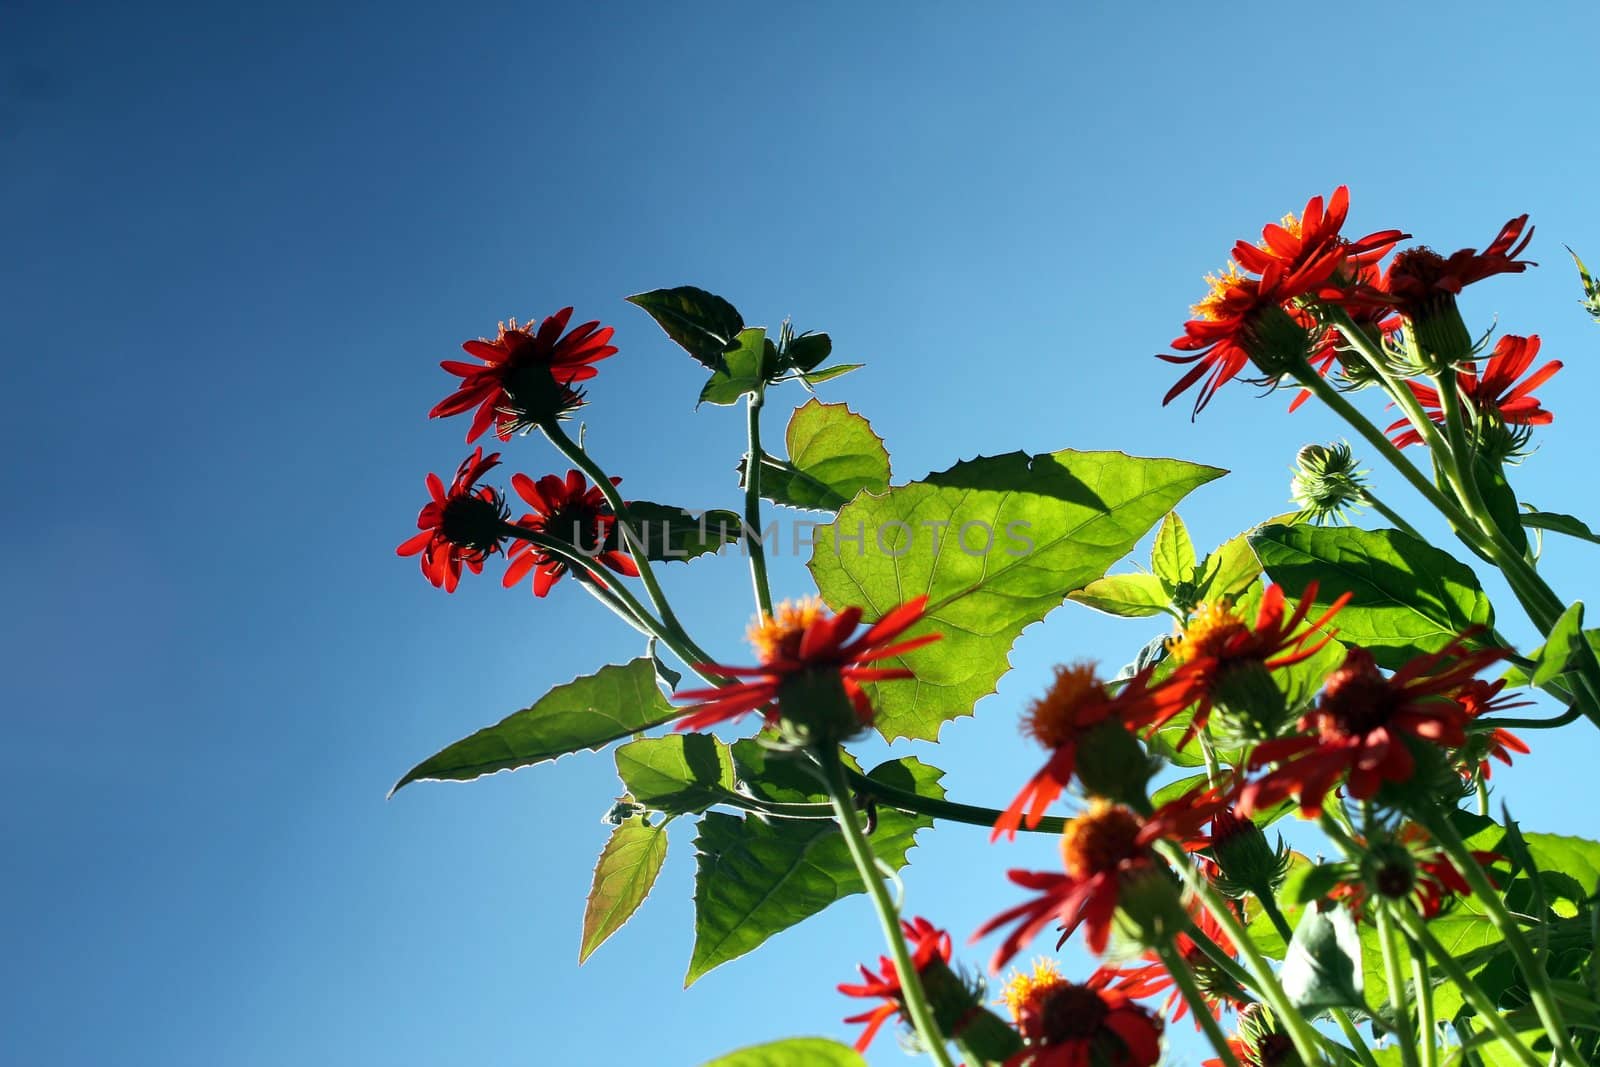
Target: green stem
(971,814)
(1395,387)
(752,504)
(916,1002)
(1488,1014)
(1488,898)
(1266,983)
(575,453)
(1422,987)
(1398,1002)
(1572,714)
(1183,977)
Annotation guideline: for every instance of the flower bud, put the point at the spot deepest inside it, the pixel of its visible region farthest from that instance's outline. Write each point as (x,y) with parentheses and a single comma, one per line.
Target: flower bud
(1326,482)
(1249,864)
(1276,342)
(1249,705)
(1149,906)
(1112,763)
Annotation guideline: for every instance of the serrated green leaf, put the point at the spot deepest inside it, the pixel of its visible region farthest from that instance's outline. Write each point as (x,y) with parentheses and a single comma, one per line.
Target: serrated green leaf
(1322,968)
(794,1052)
(670,533)
(1172,556)
(745,366)
(1407,597)
(1131,596)
(703,324)
(807,350)
(827,374)
(678,774)
(586,713)
(1553,658)
(1556,522)
(1233,567)
(1017,533)
(833,455)
(627,868)
(757,877)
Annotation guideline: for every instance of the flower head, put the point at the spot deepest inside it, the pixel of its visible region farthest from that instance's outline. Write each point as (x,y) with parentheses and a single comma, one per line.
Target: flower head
(1496,398)
(462,525)
(1406,864)
(1359,728)
(526,376)
(1067,1024)
(1311,241)
(1077,711)
(1419,277)
(927,943)
(573,512)
(1218,647)
(1150,977)
(1240,320)
(1480,697)
(807,654)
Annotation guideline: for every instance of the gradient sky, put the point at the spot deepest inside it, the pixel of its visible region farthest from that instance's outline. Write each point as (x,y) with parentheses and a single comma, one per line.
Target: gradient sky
(238,240)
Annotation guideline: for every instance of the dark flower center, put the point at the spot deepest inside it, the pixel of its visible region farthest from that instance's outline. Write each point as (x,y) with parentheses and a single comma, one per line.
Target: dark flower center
(1071,1013)
(1274,1050)
(1357,699)
(578,524)
(1421,266)
(475,522)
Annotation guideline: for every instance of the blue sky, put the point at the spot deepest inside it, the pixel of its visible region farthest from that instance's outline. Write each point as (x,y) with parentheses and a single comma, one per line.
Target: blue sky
(238,242)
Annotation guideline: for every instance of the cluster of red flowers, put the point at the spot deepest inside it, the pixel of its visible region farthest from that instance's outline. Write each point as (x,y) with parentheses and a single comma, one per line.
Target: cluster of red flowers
(1276,303)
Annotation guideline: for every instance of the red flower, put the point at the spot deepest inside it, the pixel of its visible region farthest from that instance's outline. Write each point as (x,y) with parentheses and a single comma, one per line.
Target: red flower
(1407,864)
(568,510)
(1152,978)
(927,943)
(1313,239)
(1480,697)
(1070,1025)
(1217,641)
(1076,705)
(462,525)
(1420,277)
(1362,298)
(1102,850)
(1224,330)
(1358,728)
(526,375)
(1497,393)
(800,638)
(1269,1050)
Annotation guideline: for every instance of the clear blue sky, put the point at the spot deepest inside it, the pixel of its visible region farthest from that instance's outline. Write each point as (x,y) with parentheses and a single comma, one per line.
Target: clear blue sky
(237,242)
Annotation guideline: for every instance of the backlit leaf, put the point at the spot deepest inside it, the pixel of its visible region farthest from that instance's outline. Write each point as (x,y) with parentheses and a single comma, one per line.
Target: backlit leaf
(627,868)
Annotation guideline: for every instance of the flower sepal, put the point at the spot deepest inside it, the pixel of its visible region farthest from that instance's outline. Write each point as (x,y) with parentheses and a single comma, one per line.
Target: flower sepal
(1113,764)
(816,709)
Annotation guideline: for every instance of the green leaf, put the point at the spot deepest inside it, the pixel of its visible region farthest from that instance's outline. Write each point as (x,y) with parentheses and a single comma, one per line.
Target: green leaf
(757,877)
(1322,968)
(587,713)
(1501,500)
(808,350)
(1292,900)
(1559,523)
(827,374)
(678,774)
(1233,567)
(833,455)
(1128,595)
(1555,656)
(1407,597)
(1591,288)
(745,367)
(703,324)
(1172,556)
(1016,534)
(670,533)
(794,1052)
(627,868)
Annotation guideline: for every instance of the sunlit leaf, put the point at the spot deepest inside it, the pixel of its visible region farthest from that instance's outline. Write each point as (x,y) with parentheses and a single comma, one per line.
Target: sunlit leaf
(627,868)
(794,1052)
(833,455)
(678,774)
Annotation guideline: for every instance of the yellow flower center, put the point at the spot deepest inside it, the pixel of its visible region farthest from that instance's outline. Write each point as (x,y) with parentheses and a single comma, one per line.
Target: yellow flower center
(1055,718)
(1100,839)
(1023,990)
(1213,624)
(1291,223)
(1218,285)
(780,633)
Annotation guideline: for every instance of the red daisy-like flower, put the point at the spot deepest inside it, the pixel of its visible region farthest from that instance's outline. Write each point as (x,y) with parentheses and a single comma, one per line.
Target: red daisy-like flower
(1480,697)
(1419,277)
(1362,298)
(1268,1050)
(802,637)
(1077,704)
(1407,865)
(569,510)
(1359,727)
(461,526)
(526,374)
(1497,393)
(1217,641)
(1313,238)
(1223,330)
(1151,978)
(1102,850)
(1066,1024)
(928,943)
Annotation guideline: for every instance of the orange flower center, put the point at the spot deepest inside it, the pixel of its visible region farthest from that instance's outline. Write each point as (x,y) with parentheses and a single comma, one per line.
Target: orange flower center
(1100,839)
(1210,630)
(1210,307)
(780,633)
(1068,708)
